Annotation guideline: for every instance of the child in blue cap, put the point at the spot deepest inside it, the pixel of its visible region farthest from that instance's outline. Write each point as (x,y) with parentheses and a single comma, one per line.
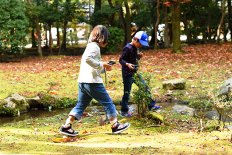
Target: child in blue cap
(129,62)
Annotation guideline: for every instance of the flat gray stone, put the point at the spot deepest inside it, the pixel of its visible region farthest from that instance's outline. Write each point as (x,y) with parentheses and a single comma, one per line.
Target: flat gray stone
(174,84)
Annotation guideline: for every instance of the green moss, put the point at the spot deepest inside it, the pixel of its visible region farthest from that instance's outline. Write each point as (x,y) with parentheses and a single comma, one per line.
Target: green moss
(6,111)
(156,117)
(211,125)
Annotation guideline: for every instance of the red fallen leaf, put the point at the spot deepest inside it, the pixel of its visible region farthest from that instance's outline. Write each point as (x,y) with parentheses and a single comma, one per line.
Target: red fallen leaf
(167,4)
(53,92)
(85,132)
(64,140)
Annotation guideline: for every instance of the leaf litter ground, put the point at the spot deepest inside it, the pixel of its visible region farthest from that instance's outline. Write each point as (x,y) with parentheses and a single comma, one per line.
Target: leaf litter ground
(204,67)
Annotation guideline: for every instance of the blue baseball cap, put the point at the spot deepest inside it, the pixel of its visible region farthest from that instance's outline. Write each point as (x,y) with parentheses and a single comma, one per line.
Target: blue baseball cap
(143,38)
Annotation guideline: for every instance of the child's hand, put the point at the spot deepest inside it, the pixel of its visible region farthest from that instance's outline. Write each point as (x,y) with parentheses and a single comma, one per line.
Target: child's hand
(130,66)
(107,66)
(140,55)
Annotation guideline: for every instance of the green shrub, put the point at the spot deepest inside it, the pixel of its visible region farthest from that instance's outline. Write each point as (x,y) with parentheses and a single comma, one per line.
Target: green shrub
(49,101)
(65,103)
(223,105)
(202,104)
(115,40)
(141,96)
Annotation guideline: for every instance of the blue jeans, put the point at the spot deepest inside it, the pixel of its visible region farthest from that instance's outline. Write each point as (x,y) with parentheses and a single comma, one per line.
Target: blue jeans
(89,91)
(127,82)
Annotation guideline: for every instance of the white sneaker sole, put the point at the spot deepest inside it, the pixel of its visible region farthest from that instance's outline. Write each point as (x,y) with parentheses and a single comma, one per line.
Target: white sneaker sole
(67,134)
(121,130)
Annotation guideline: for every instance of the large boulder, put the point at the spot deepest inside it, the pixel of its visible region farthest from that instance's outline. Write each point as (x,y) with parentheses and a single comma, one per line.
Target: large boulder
(16,104)
(226,89)
(225,105)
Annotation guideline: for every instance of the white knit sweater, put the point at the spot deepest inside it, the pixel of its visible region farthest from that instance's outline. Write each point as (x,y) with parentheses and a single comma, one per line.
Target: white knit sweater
(91,65)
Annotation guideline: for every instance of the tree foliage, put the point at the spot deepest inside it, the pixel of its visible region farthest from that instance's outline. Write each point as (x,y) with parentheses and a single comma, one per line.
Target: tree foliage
(13,26)
(203,21)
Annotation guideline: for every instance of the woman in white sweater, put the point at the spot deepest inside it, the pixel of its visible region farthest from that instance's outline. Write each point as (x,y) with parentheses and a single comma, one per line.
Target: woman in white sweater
(90,84)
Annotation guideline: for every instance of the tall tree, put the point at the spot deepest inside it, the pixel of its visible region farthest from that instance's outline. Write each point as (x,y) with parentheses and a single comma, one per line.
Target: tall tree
(48,19)
(121,9)
(13,25)
(127,22)
(175,20)
(200,18)
(223,13)
(34,9)
(56,5)
(175,9)
(68,13)
(167,36)
(157,21)
(230,17)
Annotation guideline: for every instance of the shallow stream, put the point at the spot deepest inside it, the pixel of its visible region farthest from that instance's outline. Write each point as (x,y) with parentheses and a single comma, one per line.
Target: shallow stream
(32,114)
(95,110)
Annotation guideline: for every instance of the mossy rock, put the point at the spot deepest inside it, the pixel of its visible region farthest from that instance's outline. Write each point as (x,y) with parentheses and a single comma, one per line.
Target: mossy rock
(48,101)
(7,111)
(174,84)
(156,117)
(21,105)
(65,103)
(14,105)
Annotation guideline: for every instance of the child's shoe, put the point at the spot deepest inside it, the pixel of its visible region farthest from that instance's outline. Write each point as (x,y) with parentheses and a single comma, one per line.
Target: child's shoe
(118,128)
(68,131)
(126,114)
(154,108)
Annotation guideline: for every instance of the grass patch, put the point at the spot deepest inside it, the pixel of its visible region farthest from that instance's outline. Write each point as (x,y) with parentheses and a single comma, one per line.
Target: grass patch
(34,136)
(204,70)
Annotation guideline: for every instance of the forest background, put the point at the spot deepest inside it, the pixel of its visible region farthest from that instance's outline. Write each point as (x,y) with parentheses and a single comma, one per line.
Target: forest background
(35,58)
(31,22)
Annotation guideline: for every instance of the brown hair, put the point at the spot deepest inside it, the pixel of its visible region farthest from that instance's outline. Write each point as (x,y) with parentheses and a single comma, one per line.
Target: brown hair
(99,34)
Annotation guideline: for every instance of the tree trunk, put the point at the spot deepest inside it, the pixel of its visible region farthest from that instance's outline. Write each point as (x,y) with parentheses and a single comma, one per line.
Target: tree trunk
(63,44)
(186,25)
(230,17)
(221,21)
(175,9)
(46,37)
(33,41)
(39,39)
(50,40)
(157,23)
(166,30)
(122,19)
(127,22)
(111,20)
(58,35)
(97,7)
